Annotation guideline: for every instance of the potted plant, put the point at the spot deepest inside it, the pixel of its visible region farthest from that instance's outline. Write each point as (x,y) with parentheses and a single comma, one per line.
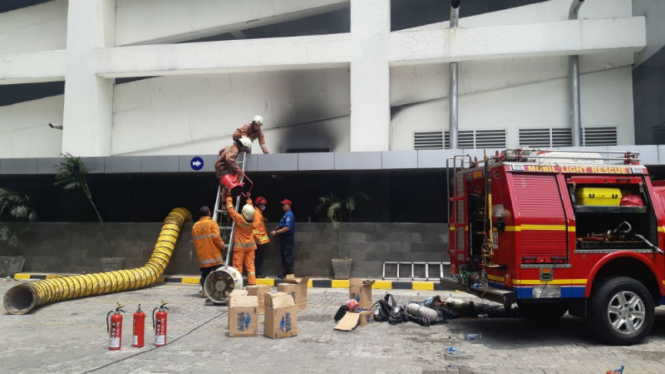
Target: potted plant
(14,206)
(334,208)
(72,174)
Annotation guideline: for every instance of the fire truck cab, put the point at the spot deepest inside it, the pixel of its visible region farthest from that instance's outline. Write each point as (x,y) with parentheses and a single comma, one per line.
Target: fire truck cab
(558,232)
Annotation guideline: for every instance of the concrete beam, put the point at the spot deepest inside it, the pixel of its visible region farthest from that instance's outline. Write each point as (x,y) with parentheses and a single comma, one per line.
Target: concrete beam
(34,67)
(306,52)
(370,75)
(518,41)
(173,21)
(88,113)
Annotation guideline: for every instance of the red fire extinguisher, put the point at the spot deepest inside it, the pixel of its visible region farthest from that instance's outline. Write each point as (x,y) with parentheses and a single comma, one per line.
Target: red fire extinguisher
(159,324)
(114,328)
(139,328)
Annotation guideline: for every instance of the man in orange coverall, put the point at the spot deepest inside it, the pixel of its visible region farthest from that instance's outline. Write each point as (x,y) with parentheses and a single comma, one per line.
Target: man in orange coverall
(260,234)
(226,161)
(208,243)
(252,131)
(244,246)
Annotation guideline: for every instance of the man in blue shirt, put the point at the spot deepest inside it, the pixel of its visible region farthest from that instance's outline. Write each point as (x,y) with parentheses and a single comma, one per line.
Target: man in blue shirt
(285,230)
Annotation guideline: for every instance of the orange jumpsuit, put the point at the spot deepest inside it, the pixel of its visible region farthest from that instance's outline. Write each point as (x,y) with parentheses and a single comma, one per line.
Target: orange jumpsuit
(208,243)
(248,131)
(260,234)
(244,247)
(226,162)
(261,238)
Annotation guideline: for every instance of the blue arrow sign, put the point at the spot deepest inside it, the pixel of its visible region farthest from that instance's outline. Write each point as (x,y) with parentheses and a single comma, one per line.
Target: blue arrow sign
(196,163)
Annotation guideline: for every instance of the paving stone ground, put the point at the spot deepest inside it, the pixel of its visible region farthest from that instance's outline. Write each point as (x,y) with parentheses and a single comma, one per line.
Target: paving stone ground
(70,337)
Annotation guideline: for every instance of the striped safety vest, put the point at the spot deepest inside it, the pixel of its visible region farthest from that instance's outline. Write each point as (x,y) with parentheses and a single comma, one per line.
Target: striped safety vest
(207,241)
(260,234)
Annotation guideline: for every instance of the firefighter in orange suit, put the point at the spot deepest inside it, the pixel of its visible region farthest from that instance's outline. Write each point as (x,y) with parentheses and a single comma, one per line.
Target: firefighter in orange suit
(208,243)
(244,247)
(253,131)
(260,234)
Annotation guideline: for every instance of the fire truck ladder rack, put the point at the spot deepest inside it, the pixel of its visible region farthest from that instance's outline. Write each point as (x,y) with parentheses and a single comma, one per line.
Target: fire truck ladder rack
(220,212)
(456,206)
(414,266)
(539,155)
(459,162)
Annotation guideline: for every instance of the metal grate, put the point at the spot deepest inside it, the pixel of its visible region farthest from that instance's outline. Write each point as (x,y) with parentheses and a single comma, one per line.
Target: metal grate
(428,140)
(545,138)
(473,139)
(599,136)
(490,139)
(562,137)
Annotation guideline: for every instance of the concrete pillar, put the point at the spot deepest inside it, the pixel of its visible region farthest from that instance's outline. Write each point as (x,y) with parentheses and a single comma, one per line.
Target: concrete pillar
(370,75)
(88,98)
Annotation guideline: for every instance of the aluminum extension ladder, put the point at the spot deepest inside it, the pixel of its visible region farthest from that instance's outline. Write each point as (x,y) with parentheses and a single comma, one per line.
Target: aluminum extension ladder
(413,267)
(220,213)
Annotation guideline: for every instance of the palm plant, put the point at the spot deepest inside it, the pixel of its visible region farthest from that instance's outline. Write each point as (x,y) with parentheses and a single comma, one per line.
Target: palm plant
(14,206)
(72,174)
(334,208)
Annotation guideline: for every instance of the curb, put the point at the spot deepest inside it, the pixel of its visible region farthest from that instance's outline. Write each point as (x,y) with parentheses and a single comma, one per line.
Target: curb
(313,283)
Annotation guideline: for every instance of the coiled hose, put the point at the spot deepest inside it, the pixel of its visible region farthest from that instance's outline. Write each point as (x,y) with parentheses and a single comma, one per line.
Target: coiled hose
(24,297)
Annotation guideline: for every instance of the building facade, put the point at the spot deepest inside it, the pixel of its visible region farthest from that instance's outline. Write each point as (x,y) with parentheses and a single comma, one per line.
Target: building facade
(356,97)
(145,77)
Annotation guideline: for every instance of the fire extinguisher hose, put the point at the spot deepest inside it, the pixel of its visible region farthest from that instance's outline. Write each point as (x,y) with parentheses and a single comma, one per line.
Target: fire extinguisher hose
(24,297)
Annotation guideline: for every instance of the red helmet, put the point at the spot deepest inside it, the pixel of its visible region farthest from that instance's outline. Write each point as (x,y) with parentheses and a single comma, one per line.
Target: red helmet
(286,201)
(260,200)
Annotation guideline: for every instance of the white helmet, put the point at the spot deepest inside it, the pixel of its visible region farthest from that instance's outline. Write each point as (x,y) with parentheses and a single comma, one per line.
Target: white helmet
(248,212)
(245,142)
(258,119)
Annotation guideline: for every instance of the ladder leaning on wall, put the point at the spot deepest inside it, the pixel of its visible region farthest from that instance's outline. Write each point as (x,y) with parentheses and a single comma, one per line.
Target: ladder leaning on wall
(221,216)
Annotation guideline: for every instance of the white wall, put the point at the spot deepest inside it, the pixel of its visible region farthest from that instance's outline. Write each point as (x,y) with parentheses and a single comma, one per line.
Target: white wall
(24,130)
(197,114)
(411,84)
(606,100)
(204,110)
(41,27)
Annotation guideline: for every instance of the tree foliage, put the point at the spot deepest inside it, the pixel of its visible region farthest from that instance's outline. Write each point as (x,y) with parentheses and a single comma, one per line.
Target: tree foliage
(72,174)
(14,206)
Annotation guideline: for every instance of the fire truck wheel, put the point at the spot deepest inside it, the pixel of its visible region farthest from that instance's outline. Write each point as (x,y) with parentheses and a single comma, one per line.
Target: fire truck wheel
(621,311)
(542,312)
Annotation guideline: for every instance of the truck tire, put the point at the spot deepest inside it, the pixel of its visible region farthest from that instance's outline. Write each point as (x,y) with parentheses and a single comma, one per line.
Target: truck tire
(542,312)
(621,311)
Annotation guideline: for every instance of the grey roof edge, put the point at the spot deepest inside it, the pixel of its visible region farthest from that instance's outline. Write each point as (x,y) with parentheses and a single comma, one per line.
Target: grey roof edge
(292,162)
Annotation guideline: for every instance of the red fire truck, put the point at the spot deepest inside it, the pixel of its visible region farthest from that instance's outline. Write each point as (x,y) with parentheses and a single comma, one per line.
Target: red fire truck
(559,232)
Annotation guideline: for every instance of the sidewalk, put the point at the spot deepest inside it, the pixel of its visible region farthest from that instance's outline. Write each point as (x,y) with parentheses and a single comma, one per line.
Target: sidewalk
(313,283)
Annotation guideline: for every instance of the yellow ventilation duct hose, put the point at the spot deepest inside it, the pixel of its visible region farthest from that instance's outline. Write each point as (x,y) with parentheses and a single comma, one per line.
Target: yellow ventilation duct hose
(23,298)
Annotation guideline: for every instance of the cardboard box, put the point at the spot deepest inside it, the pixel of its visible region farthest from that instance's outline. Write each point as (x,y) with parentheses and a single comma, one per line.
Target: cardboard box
(351,320)
(235,293)
(259,291)
(348,322)
(243,316)
(361,292)
(281,320)
(295,288)
(365,317)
